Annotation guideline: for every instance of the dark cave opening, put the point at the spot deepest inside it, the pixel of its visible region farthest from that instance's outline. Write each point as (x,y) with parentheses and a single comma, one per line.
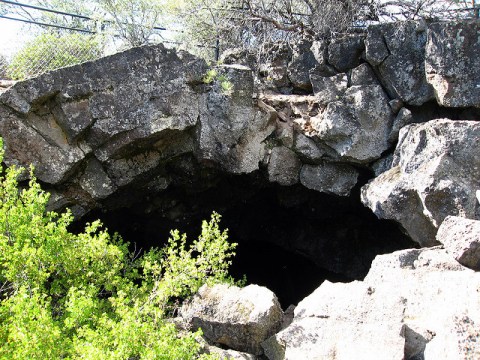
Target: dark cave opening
(290,239)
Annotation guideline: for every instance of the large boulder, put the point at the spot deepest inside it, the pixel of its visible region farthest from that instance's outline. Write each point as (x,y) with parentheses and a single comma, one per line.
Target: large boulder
(273,70)
(397,53)
(222,354)
(302,63)
(344,53)
(435,172)
(330,178)
(363,75)
(413,304)
(104,109)
(461,239)
(328,89)
(319,50)
(283,166)
(452,63)
(240,318)
(358,125)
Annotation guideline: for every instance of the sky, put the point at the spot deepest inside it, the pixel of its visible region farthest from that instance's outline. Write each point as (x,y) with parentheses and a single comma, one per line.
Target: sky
(13,35)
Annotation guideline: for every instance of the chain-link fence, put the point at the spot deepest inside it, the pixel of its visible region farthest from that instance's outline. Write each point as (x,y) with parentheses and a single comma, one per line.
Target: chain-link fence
(52,50)
(3,67)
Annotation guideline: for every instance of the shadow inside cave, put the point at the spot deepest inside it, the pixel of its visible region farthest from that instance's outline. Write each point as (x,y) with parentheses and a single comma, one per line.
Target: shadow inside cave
(290,239)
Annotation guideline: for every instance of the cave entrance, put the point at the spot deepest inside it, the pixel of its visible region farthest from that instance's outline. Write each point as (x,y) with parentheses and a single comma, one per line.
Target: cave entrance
(290,239)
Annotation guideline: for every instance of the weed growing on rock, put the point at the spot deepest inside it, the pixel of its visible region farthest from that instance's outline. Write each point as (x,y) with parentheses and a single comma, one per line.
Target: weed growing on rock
(226,86)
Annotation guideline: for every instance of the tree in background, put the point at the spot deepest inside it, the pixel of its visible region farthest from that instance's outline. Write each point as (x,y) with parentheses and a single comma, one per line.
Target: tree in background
(134,21)
(253,24)
(207,27)
(53,50)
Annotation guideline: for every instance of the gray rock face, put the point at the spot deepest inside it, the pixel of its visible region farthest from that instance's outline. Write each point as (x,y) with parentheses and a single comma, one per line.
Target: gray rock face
(397,52)
(345,53)
(58,119)
(240,318)
(461,239)
(44,145)
(284,166)
(120,121)
(452,63)
(363,75)
(357,127)
(404,117)
(232,129)
(274,70)
(230,354)
(421,316)
(382,165)
(319,50)
(238,56)
(330,178)
(307,149)
(435,171)
(328,89)
(302,62)
(376,49)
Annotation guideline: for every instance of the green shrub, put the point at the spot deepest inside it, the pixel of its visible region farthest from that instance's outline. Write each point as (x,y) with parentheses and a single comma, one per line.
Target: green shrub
(50,51)
(86,296)
(226,86)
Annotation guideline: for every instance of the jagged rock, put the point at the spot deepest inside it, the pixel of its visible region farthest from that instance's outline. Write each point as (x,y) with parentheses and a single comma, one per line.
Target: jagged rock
(435,171)
(240,318)
(307,149)
(319,50)
(41,142)
(363,75)
(284,166)
(303,61)
(328,89)
(396,105)
(122,120)
(461,239)
(452,63)
(331,178)
(95,181)
(357,127)
(56,120)
(404,117)
(229,354)
(382,165)
(238,56)
(345,53)
(421,316)
(274,70)
(232,130)
(376,49)
(397,52)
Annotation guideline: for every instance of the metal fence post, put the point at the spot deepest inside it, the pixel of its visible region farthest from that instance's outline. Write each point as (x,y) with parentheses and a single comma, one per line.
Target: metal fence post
(217,49)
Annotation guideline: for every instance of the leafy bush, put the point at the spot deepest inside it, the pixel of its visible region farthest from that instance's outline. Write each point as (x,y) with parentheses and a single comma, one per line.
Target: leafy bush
(50,51)
(64,295)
